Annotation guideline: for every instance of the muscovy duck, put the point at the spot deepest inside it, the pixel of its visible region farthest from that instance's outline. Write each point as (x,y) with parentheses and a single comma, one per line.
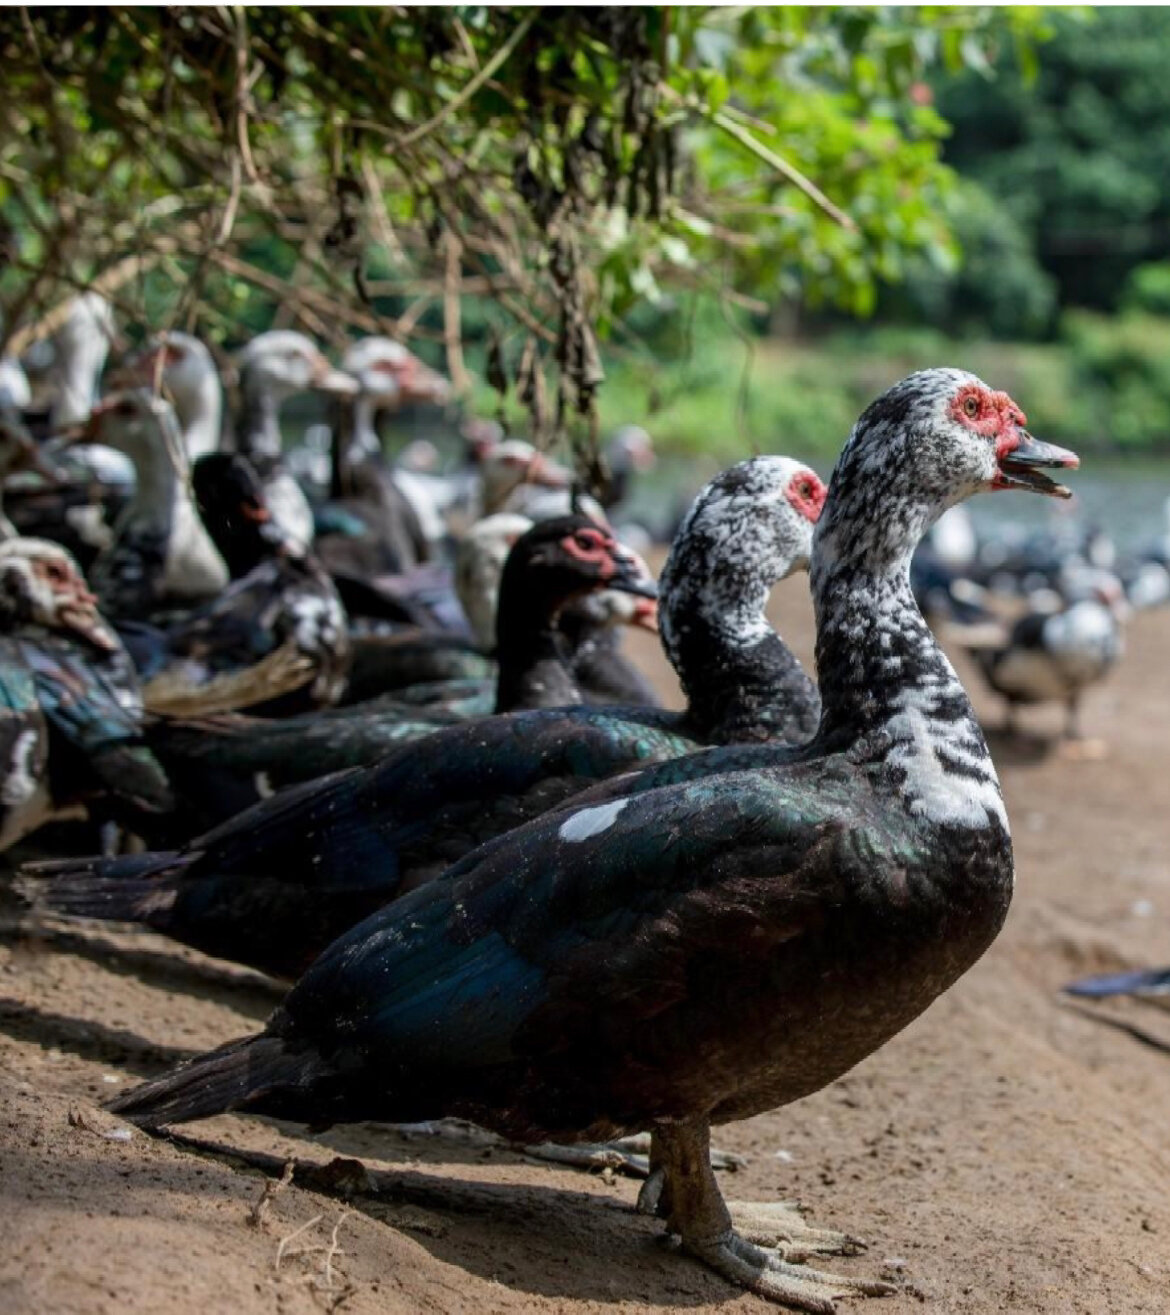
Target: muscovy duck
(162,556)
(392,377)
(512,465)
(370,526)
(96,482)
(1056,656)
(699,953)
(86,689)
(741,680)
(314,856)
(275,642)
(25,799)
(589,626)
(273,367)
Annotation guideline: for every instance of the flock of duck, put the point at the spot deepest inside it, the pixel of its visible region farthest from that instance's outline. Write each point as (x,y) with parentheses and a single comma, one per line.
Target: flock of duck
(372,731)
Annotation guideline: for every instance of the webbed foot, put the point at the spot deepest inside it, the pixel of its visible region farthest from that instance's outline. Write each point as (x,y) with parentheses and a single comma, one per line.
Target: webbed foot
(768,1272)
(755,1246)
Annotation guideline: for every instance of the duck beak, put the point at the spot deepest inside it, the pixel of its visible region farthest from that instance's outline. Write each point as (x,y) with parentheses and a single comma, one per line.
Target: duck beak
(1022,466)
(631,576)
(331,380)
(547,474)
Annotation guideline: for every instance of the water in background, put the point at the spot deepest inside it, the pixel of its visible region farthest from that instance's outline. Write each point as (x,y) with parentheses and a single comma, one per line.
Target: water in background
(1126,499)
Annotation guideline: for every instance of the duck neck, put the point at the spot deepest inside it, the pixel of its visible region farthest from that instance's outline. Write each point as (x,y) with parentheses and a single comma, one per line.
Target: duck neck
(364,442)
(532,673)
(202,417)
(259,437)
(741,680)
(883,678)
(160,483)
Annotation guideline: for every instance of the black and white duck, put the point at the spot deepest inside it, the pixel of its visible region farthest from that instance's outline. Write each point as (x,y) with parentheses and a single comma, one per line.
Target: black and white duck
(344,846)
(370,526)
(162,556)
(273,367)
(702,952)
(1054,656)
(275,642)
(58,647)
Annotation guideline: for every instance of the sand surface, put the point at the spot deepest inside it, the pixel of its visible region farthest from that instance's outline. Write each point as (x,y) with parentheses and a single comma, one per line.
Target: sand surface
(1005,1153)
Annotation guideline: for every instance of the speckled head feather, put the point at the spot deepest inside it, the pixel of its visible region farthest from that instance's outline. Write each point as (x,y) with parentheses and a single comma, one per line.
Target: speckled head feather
(751,527)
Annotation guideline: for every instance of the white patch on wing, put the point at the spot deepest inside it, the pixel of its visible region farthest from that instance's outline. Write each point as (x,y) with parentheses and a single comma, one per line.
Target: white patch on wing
(591,821)
(21,783)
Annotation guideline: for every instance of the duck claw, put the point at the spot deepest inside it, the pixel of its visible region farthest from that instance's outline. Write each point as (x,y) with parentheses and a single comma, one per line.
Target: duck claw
(770,1273)
(780,1224)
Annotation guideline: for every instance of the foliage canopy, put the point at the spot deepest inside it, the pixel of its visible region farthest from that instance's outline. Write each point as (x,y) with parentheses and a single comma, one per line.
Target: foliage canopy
(373,168)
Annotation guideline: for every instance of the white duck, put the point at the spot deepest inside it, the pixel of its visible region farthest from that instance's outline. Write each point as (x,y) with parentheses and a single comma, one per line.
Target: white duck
(162,555)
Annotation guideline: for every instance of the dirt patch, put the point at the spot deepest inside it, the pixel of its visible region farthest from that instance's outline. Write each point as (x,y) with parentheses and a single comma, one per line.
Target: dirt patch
(1005,1153)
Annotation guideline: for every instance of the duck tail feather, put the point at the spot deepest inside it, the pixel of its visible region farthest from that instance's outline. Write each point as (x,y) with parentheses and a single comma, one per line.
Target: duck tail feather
(258,1073)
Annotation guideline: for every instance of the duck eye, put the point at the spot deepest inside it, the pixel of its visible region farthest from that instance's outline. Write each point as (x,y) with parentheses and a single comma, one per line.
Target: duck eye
(971,406)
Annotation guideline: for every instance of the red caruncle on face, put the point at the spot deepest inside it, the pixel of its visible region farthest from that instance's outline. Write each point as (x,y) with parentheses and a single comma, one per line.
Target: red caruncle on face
(992,414)
(807,494)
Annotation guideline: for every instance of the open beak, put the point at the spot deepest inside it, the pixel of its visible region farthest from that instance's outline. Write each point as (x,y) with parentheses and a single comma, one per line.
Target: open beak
(1023,467)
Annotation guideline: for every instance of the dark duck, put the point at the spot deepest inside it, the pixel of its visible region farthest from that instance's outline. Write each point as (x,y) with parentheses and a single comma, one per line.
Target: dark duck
(321,856)
(72,725)
(702,952)
(275,642)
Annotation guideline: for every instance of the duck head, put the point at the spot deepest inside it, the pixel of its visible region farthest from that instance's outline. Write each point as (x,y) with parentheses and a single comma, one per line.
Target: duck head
(391,376)
(137,423)
(283,363)
(750,528)
(42,584)
(567,556)
(513,462)
(231,501)
(631,448)
(930,441)
(178,362)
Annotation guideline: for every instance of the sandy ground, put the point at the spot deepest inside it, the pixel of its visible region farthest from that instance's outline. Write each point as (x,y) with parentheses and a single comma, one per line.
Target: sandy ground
(1005,1153)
